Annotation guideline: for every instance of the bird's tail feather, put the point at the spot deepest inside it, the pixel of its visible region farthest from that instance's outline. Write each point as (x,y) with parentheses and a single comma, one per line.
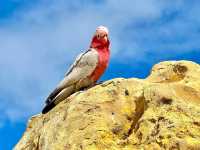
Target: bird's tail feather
(48,107)
(53,95)
(62,95)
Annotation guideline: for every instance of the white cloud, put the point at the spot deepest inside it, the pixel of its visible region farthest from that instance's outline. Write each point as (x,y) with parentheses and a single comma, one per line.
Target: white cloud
(39,41)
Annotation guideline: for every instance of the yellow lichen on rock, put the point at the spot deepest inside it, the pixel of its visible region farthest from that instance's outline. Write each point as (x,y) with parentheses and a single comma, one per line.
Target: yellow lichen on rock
(159,112)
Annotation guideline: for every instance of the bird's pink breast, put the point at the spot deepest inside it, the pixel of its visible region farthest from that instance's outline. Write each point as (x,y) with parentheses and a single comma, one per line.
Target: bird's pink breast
(103,56)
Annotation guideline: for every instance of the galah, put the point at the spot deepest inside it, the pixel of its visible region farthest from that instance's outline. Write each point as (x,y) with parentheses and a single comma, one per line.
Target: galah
(85,71)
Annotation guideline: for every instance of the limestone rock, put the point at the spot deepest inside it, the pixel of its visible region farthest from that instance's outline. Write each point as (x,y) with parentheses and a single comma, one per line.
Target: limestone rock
(159,112)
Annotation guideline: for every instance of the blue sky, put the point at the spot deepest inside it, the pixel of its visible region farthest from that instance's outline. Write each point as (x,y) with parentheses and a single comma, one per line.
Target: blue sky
(40,38)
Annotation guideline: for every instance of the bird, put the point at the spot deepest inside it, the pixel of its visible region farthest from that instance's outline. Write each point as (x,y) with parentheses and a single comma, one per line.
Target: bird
(87,68)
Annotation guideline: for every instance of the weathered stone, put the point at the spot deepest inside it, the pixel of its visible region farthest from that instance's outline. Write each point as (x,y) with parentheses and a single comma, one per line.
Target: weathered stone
(159,112)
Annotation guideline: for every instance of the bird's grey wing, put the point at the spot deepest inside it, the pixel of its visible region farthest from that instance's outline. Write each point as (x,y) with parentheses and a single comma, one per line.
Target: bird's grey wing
(84,66)
(75,63)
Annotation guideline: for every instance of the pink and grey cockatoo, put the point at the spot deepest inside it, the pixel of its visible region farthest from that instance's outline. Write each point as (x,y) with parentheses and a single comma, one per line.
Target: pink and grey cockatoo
(85,71)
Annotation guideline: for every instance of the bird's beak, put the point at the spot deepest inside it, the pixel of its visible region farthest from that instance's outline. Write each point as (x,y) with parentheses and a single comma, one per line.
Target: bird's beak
(106,38)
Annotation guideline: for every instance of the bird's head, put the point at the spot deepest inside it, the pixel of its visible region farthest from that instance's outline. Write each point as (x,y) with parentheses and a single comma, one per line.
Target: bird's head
(100,38)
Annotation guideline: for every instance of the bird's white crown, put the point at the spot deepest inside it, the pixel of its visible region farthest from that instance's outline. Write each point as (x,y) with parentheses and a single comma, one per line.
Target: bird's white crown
(102,28)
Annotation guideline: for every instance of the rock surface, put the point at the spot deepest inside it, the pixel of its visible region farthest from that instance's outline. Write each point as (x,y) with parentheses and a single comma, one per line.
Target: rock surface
(159,112)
